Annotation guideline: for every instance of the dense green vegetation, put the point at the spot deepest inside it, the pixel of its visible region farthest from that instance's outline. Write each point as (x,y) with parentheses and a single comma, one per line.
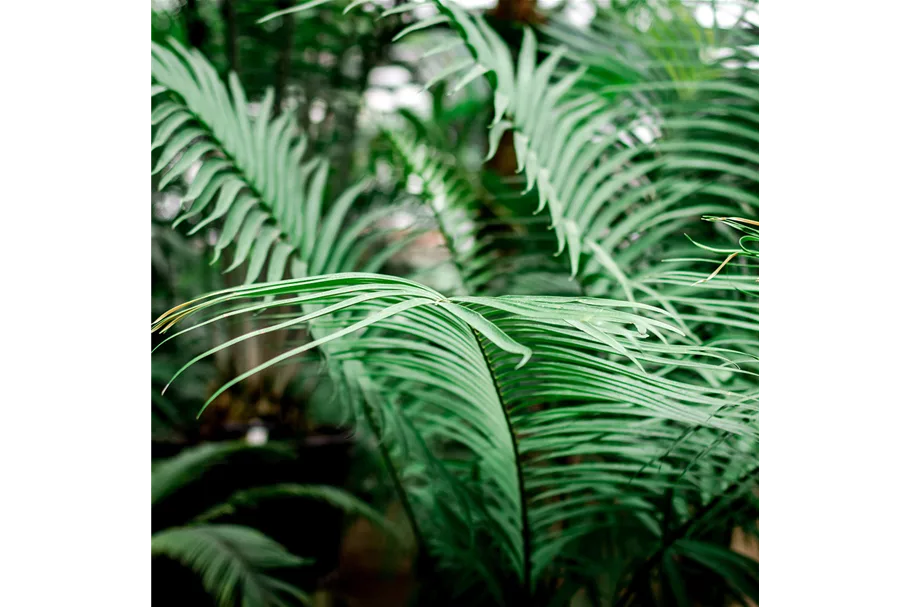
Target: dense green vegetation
(512,322)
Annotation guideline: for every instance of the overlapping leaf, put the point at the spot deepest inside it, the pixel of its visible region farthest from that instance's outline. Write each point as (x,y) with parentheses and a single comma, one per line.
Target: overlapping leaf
(500,378)
(628,151)
(528,433)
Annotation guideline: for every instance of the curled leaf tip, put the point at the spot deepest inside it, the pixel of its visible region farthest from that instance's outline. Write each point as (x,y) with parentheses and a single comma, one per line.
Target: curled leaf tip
(525,359)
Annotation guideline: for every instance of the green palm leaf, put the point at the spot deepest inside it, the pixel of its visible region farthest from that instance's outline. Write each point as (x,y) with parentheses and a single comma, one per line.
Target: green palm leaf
(624,158)
(530,437)
(455,203)
(324,493)
(235,564)
(171,475)
(516,369)
(269,205)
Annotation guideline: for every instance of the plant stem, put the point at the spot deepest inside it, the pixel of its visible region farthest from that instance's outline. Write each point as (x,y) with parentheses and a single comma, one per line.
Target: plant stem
(526,526)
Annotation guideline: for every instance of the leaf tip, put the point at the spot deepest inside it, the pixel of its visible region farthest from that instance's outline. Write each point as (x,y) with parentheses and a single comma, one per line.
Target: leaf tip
(525,359)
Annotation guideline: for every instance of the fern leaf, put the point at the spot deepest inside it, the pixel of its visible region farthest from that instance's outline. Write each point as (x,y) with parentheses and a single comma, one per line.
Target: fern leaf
(597,366)
(234,563)
(170,475)
(627,145)
(330,495)
(266,203)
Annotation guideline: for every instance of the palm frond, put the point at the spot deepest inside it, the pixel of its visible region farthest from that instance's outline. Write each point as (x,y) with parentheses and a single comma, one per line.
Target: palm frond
(171,475)
(540,441)
(624,155)
(272,205)
(235,564)
(516,369)
(493,243)
(324,493)
(454,202)
(272,198)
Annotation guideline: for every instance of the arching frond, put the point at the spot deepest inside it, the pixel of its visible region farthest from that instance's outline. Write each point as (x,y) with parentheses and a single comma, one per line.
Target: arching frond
(455,205)
(235,564)
(272,207)
(628,151)
(683,113)
(490,383)
(534,442)
(171,475)
(324,493)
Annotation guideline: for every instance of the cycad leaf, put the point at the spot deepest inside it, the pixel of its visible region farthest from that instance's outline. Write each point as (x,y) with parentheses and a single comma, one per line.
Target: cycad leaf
(451,366)
(272,206)
(171,475)
(324,493)
(740,572)
(234,563)
(556,114)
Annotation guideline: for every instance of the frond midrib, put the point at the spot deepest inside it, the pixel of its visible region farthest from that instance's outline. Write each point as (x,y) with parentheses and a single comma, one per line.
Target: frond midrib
(520,476)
